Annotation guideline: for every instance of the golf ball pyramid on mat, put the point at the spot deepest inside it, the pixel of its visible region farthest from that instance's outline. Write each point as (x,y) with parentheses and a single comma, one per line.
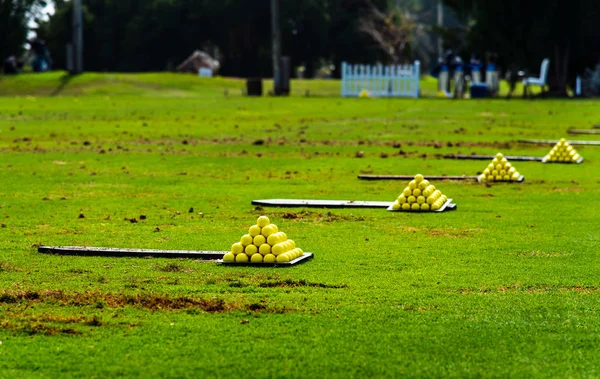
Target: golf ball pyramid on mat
(562,152)
(263,243)
(499,170)
(420,196)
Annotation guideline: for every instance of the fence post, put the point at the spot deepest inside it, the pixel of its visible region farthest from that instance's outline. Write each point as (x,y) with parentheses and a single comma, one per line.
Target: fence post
(343,79)
(417,78)
(355,83)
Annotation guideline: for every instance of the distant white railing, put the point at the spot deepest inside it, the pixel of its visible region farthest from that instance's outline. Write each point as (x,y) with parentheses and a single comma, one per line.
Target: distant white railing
(381,81)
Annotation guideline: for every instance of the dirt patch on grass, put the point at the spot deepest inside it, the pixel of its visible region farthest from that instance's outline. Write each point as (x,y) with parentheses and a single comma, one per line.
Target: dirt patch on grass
(543,254)
(49,324)
(442,232)
(310,216)
(532,289)
(153,302)
(273,281)
(451,232)
(32,327)
(299,283)
(7,267)
(576,189)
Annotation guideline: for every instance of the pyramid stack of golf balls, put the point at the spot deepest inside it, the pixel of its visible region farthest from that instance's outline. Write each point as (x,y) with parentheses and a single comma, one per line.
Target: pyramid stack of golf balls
(500,170)
(562,152)
(419,195)
(263,243)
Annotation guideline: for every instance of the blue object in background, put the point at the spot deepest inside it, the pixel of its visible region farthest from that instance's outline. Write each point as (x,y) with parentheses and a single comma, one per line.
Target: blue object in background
(478,90)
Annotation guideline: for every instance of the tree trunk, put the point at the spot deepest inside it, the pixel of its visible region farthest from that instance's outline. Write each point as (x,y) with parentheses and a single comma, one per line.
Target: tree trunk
(558,82)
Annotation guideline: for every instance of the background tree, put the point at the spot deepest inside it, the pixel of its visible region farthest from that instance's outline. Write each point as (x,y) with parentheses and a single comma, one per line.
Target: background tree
(399,33)
(153,35)
(14,19)
(525,32)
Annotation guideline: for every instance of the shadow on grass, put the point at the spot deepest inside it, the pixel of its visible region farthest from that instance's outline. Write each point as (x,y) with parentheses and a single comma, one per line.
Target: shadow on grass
(64,80)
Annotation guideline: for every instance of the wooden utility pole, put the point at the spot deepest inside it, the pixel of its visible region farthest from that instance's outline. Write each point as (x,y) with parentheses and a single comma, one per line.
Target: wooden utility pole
(276,46)
(440,24)
(77,37)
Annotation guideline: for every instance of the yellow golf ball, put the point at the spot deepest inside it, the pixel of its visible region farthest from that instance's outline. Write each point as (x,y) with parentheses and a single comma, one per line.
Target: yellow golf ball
(259,240)
(246,240)
(254,230)
(264,249)
(237,248)
(263,221)
(250,250)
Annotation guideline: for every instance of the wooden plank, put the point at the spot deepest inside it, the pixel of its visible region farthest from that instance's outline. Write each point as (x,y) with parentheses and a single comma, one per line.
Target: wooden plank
(411,177)
(322,203)
(140,253)
(302,259)
(490,157)
(583,131)
(554,142)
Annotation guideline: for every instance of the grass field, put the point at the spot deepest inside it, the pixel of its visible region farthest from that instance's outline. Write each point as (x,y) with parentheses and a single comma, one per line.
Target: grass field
(506,286)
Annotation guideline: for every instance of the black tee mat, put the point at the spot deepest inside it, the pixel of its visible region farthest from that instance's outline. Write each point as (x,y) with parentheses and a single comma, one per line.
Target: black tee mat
(302,259)
(554,142)
(490,157)
(411,177)
(140,253)
(322,203)
(448,206)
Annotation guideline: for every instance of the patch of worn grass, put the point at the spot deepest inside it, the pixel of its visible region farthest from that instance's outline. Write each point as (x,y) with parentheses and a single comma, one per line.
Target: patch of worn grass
(506,285)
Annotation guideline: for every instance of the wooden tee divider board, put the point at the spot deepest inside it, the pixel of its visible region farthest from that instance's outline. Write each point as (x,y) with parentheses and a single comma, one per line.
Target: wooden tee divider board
(490,157)
(139,253)
(411,177)
(302,259)
(322,203)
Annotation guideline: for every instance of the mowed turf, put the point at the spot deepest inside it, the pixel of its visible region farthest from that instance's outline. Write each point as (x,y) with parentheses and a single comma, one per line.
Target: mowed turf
(507,285)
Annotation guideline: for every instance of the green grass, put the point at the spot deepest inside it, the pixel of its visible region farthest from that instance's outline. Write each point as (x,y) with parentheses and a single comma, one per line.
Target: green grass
(173,85)
(507,285)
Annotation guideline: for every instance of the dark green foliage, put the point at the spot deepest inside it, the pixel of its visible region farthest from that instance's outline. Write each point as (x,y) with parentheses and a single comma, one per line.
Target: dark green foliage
(14,16)
(132,35)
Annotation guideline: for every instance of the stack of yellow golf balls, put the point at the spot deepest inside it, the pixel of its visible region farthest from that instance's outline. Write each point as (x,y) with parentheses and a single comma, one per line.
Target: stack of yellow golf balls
(419,195)
(562,152)
(500,170)
(263,243)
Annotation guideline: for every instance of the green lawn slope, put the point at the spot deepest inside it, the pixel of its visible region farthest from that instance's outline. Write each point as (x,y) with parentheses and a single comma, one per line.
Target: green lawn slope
(505,286)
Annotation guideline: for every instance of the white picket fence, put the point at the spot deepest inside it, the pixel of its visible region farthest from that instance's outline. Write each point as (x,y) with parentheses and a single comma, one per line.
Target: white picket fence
(381,81)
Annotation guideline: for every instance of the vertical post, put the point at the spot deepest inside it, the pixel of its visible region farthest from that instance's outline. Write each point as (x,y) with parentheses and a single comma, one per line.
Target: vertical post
(77,38)
(417,78)
(276,46)
(440,24)
(343,79)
